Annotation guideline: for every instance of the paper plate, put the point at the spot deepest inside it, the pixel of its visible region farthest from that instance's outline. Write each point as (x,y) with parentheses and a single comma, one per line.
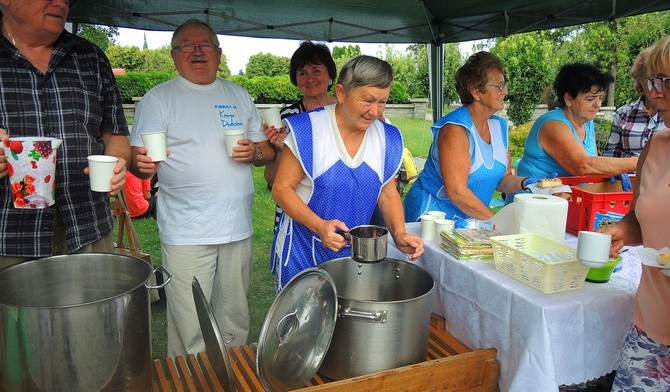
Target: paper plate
(649,257)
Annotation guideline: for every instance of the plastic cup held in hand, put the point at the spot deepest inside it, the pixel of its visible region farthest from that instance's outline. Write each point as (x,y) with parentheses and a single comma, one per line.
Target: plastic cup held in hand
(428,227)
(593,248)
(101,170)
(156,143)
(232,137)
(31,162)
(272,117)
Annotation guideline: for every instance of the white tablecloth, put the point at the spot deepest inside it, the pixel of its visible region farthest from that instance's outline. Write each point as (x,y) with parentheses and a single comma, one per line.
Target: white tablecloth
(543,340)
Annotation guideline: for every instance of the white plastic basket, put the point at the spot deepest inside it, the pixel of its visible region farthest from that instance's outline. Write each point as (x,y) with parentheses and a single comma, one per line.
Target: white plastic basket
(513,256)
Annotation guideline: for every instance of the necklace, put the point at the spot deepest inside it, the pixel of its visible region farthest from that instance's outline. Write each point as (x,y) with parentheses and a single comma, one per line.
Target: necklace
(40,65)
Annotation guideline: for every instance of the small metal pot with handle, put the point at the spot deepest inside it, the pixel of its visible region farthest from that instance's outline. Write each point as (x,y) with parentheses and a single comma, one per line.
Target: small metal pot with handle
(368,243)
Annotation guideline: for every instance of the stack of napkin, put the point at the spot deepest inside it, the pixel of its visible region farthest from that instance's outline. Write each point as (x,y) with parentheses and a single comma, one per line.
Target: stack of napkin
(469,244)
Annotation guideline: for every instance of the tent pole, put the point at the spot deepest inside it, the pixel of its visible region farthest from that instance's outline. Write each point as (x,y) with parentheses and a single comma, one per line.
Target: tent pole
(436,78)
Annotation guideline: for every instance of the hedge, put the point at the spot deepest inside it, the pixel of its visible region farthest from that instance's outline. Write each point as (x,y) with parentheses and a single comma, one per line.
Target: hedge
(136,84)
(263,89)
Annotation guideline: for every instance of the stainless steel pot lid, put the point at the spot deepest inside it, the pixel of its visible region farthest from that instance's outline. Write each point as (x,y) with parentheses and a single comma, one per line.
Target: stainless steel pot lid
(215,346)
(297,331)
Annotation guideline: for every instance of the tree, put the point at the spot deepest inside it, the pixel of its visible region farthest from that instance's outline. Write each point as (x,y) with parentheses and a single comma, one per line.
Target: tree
(452,61)
(404,67)
(266,64)
(420,83)
(613,46)
(635,34)
(342,54)
(594,43)
(346,52)
(127,57)
(526,59)
(157,60)
(100,35)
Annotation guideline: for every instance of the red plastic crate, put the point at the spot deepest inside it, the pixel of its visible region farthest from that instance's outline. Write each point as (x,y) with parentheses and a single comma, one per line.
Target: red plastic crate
(591,195)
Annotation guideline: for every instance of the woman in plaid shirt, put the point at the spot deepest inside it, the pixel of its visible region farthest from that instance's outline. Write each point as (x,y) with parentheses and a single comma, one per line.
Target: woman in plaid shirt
(634,123)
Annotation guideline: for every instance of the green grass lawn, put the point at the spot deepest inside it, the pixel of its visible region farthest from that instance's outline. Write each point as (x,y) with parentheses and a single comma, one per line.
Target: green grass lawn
(417,138)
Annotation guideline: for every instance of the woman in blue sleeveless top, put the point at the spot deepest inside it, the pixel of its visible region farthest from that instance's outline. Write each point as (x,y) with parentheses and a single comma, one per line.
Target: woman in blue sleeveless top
(469,156)
(563,140)
(339,164)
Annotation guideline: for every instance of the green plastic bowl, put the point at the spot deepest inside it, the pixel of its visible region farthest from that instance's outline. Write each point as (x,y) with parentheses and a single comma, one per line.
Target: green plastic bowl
(602,275)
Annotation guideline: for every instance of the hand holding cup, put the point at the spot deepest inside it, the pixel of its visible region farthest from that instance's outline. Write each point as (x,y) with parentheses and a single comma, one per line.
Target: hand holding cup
(272,117)
(156,144)
(101,171)
(233,137)
(4,170)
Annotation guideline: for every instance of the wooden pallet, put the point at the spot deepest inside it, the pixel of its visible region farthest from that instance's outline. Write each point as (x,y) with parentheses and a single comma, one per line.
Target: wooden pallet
(449,366)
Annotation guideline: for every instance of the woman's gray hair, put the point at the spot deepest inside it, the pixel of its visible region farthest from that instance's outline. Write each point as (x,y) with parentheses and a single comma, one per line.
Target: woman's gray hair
(173,43)
(365,71)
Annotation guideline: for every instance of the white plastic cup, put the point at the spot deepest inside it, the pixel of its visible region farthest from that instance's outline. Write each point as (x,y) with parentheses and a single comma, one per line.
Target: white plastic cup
(428,227)
(101,170)
(437,214)
(593,249)
(443,225)
(232,137)
(156,143)
(272,117)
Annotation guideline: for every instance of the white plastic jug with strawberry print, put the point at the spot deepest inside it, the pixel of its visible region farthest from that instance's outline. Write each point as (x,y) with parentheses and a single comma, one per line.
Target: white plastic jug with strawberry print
(32,170)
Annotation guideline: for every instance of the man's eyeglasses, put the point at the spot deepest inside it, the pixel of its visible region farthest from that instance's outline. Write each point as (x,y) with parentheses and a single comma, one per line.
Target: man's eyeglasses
(500,86)
(657,83)
(189,47)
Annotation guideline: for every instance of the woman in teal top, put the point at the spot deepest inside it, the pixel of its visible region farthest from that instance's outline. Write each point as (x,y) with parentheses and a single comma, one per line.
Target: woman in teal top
(469,157)
(563,141)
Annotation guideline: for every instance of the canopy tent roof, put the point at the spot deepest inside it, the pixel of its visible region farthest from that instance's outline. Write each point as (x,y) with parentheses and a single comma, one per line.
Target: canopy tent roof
(380,21)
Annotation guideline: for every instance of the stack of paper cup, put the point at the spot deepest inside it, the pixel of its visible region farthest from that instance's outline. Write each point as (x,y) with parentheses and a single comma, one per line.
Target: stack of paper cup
(437,214)
(443,225)
(428,227)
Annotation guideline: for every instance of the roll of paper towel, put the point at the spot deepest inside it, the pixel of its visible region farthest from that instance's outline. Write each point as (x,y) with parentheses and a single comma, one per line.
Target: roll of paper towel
(545,215)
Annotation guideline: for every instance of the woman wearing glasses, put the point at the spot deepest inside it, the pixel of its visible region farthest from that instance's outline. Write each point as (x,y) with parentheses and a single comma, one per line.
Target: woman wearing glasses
(563,140)
(469,157)
(636,122)
(645,359)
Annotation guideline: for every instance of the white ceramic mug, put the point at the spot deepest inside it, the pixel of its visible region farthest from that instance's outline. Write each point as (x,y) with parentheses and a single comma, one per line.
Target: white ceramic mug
(156,143)
(428,227)
(593,249)
(101,170)
(232,137)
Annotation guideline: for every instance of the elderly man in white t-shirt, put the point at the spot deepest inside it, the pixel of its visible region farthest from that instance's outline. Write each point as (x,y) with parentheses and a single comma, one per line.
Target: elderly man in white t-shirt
(204,208)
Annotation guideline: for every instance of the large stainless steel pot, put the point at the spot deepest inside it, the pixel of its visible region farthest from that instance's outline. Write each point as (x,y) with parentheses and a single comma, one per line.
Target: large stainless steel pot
(383,316)
(76,323)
